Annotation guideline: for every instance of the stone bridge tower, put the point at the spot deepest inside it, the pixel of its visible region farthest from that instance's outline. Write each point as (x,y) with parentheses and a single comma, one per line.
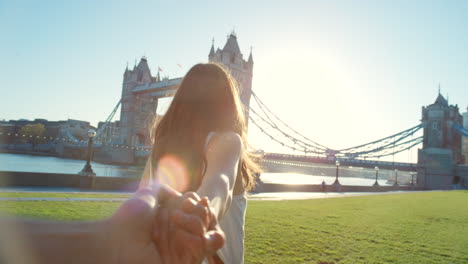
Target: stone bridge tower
(441,145)
(137,112)
(232,59)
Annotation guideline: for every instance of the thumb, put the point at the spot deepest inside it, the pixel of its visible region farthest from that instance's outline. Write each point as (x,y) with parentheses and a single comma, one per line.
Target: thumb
(214,240)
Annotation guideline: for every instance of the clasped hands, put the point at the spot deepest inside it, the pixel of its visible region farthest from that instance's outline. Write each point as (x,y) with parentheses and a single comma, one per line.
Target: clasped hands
(160,225)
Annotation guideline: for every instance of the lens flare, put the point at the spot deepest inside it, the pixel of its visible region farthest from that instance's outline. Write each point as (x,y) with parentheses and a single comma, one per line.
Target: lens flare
(172,172)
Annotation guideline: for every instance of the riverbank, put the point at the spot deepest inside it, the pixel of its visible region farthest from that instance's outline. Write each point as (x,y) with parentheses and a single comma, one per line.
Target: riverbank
(80,182)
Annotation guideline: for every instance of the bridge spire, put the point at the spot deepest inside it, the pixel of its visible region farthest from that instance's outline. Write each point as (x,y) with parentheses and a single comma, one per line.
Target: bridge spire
(158,77)
(250,60)
(212,52)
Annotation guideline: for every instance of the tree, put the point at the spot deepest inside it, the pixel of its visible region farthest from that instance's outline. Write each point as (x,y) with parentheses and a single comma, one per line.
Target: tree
(33,133)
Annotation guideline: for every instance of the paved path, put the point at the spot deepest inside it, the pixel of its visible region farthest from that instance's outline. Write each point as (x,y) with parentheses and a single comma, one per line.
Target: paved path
(258,196)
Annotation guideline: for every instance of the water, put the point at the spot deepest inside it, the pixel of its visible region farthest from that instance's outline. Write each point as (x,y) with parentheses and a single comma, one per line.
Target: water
(296,178)
(27,163)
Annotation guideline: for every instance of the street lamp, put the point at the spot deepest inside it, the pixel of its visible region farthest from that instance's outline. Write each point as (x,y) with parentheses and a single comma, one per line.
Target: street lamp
(87,170)
(376,184)
(396,178)
(337,163)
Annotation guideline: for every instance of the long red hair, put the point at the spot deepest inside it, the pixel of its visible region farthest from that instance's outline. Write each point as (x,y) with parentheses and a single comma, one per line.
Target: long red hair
(207,100)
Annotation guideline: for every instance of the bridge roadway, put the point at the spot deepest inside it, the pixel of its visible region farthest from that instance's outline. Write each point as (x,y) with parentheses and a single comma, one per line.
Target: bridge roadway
(289,159)
(300,160)
(163,88)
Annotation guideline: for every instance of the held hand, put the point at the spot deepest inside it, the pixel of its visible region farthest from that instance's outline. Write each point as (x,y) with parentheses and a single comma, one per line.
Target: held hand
(142,232)
(175,241)
(130,228)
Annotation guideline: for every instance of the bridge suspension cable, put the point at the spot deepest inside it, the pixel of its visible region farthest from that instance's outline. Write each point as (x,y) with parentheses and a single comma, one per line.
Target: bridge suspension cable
(277,130)
(282,137)
(266,110)
(99,131)
(108,120)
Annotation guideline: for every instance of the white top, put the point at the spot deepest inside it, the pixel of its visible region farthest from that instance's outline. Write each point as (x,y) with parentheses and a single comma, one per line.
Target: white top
(232,224)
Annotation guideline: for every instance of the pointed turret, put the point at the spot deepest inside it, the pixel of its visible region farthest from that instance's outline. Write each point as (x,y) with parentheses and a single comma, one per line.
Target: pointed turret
(158,78)
(143,64)
(212,52)
(143,71)
(250,60)
(441,101)
(231,45)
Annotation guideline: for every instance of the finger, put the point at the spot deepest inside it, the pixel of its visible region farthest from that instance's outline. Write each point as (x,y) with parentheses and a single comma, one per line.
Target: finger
(189,206)
(205,201)
(164,192)
(163,226)
(188,222)
(192,195)
(185,196)
(188,244)
(173,199)
(214,240)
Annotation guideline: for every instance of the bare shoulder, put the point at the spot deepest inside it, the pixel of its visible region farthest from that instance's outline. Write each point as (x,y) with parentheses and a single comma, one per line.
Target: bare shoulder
(226,142)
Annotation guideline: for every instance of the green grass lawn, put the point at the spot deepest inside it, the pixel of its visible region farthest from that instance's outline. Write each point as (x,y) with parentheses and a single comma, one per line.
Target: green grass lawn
(429,227)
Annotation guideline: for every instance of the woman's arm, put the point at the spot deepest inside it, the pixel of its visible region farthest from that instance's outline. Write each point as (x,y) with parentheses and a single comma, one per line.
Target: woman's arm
(223,154)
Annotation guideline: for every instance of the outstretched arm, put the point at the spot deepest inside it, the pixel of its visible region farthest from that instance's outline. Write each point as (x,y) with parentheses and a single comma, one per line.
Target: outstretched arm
(126,237)
(29,241)
(223,154)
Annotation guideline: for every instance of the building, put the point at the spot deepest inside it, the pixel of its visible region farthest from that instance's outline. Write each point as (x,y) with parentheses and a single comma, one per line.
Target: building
(13,127)
(465,139)
(232,59)
(138,105)
(75,129)
(137,112)
(441,150)
(109,131)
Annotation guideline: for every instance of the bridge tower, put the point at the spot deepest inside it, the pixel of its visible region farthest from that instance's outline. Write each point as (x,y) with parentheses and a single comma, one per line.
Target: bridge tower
(441,145)
(232,60)
(465,139)
(137,112)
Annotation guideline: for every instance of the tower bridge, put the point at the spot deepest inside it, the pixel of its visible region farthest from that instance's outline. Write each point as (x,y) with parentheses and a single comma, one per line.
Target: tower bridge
(298,160)
(141,90)
(439,161)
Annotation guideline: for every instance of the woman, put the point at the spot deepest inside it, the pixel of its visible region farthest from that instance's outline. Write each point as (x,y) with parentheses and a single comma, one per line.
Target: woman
(201,145)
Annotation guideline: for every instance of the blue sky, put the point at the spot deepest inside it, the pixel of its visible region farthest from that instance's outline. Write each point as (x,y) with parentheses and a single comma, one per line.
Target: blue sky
(342,72)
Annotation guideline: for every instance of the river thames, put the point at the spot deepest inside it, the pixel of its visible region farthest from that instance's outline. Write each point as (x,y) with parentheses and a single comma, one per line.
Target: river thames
(28,163)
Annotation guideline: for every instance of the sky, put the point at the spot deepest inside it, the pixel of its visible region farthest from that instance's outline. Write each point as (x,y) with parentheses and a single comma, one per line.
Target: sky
(341,72)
